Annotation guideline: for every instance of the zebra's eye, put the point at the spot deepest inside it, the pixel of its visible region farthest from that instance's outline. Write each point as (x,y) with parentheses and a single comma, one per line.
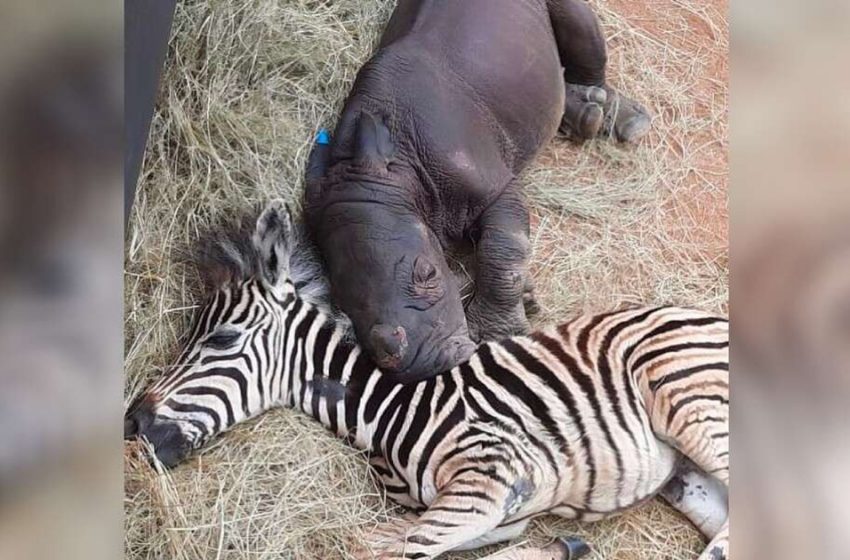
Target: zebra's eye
(222,340)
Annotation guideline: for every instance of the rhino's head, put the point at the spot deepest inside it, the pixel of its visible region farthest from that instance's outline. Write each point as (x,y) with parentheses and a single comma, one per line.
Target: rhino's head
(387,268)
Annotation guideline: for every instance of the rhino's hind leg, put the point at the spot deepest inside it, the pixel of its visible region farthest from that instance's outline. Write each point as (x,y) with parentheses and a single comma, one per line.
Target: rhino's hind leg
(502,248)
(592,107)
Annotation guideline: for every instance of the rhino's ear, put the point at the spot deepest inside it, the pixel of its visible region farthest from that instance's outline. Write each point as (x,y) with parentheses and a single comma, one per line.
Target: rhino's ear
(273,242)
(320,156)
(373,143)
(317,166)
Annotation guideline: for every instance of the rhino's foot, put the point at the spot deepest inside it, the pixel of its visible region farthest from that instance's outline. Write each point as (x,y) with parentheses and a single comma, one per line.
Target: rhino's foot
(529,301)
(626,120)
(584,114)
(487,322)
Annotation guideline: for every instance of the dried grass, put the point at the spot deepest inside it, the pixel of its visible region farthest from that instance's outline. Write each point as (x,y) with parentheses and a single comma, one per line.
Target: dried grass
(246,84)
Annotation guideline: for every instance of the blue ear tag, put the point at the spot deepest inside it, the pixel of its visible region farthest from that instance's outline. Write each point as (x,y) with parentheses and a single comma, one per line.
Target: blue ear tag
(323,137)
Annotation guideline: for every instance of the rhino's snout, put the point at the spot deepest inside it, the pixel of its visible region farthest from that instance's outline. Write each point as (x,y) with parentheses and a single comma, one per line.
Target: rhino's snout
(390,345)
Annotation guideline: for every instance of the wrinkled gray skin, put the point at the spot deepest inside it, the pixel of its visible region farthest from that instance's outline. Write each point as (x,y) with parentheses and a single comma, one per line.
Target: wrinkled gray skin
(457,100)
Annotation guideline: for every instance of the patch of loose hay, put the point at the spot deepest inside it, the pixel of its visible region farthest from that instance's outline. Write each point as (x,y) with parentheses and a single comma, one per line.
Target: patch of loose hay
(246,84)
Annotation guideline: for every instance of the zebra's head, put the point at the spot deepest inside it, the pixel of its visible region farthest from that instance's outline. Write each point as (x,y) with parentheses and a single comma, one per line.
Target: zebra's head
(225,371)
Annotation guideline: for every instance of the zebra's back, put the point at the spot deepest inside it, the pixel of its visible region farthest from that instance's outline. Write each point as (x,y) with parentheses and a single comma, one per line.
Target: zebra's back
(586,413)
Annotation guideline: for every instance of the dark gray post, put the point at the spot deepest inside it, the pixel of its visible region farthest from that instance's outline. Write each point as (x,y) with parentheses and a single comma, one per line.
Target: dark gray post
(147,26)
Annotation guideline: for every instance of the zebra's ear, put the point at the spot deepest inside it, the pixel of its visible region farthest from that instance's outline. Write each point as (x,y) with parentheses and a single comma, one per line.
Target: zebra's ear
(273,242)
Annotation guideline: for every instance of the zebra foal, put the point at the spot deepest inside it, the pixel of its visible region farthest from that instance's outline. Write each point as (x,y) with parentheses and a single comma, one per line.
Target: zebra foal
(581,420)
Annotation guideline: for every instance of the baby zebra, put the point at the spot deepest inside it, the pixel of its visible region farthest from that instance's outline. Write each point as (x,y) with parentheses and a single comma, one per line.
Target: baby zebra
(581,420)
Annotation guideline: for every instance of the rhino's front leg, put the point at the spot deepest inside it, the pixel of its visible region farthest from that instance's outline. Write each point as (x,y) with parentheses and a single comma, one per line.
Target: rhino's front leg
(502,250)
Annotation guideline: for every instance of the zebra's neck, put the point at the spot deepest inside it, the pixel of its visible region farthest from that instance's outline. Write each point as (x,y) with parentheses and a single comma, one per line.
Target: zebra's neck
(326,375)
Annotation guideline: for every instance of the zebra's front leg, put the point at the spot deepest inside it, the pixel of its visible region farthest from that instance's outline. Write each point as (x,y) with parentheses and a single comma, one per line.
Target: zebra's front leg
(396,487)
(561,549)
(463,511)
(462,516)
(570,548)
(397,530)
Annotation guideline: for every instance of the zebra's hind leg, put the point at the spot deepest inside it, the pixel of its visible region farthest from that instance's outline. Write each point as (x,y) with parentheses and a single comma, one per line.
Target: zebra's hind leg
(684,379)
(705,502)
(701,498)
(718,548)
(691,412)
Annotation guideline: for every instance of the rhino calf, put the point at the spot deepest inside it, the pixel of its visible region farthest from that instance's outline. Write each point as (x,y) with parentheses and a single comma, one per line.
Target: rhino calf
(456,101)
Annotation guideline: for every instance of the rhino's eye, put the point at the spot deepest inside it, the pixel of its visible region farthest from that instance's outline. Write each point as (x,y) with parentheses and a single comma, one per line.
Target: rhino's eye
(222,340)
(425,274)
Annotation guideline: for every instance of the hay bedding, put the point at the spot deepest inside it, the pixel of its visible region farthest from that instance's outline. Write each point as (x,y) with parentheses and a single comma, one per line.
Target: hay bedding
(246,84)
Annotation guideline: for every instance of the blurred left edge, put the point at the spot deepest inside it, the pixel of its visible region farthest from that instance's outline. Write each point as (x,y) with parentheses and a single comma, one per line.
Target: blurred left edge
(61,251)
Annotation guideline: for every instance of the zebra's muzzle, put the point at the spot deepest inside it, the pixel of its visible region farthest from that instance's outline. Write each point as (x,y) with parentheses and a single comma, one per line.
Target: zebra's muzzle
(169,443)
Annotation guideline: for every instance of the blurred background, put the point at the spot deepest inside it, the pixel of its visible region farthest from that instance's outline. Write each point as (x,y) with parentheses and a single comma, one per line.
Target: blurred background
(61,247)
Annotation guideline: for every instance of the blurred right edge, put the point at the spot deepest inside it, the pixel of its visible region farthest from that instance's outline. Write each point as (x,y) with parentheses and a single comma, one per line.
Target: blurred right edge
(790,293)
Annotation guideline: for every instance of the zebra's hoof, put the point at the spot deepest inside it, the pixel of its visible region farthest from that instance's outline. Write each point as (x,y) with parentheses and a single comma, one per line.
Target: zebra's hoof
(571,548)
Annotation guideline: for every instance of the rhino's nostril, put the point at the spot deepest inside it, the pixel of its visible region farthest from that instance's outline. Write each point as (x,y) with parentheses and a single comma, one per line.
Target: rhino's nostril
(389,342)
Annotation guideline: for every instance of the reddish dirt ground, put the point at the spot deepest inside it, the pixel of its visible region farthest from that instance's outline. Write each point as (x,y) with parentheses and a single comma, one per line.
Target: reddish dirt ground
(696,208)
(689,137)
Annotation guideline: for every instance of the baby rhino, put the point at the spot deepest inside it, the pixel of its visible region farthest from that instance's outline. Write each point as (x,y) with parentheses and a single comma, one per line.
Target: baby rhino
(457,100)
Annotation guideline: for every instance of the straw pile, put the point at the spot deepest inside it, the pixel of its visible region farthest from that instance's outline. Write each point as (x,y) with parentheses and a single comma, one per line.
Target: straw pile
(246,84)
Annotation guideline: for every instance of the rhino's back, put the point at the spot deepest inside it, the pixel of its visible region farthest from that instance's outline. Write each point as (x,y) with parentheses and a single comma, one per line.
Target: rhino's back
(471,91)
(498,56)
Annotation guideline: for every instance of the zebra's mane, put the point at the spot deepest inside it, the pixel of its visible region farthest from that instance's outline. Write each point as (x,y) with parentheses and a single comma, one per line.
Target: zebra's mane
(226,254)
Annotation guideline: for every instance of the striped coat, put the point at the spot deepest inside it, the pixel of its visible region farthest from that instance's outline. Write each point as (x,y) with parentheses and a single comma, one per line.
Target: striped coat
(581,420)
